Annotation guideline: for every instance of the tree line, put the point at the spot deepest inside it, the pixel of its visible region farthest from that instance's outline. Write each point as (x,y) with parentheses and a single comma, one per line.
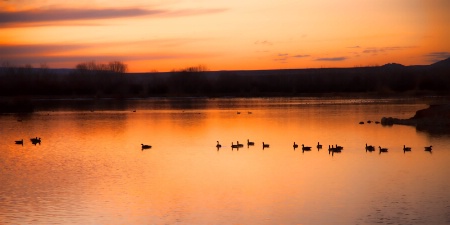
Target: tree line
(91,79)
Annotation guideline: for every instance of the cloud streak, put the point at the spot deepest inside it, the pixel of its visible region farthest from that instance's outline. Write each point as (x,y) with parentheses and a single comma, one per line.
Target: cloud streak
(332,59)
(437,56)
(37,16)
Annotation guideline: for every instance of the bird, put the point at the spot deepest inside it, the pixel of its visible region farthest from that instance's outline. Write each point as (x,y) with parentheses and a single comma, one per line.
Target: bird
(305,148)
(265,145)
(234,146)
(377,122)
(382,149)
(369,148)
(339,147)
(239,145)
(19,142)
(319,146)
(369,121)
(361,122)
(406,149)
(146,146)
(218,145)
(238,112)
(332,149)
(295,145)
(428,148)
(250,142)
(35,140)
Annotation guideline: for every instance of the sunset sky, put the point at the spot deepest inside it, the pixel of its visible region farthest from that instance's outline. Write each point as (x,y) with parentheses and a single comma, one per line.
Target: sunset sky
(157,35)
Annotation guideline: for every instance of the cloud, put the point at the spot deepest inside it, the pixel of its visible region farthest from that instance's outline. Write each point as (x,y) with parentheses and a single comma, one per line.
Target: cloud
(300,56)
(37,16)
(437,56)
(375,51)
(283,54)
(356,46)
(7,51)
(263,43)
(332,59)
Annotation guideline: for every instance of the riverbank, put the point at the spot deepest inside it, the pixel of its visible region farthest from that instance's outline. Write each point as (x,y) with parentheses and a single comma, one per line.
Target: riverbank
(435,118)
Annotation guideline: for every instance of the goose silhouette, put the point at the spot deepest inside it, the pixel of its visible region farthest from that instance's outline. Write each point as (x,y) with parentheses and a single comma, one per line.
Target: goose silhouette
(19,142)
(146,146)
(382,149)
(265,145)
(428,148)
(406,149)
(369,148)
(239,145)
(250,142)
(218,145)
(295,145)
(234,146)
(319,146)
(305,148)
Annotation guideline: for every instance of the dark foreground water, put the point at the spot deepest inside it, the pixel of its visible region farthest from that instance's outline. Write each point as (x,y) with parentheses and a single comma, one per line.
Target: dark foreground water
(90,169)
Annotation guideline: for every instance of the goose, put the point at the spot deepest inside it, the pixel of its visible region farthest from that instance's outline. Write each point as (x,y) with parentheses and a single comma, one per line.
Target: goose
(305,148)
(234,146)
(19,142)
(265,145)
(428,148)
(377,122)
(250,142)
(382,149)
(238,112)
(339,147)
(319,146)
(295,145)
(369,121)
(333,150)
(35,140)
(361,122)
(218,145)
(146,146)
(405,149)
(239,145)
(369,148)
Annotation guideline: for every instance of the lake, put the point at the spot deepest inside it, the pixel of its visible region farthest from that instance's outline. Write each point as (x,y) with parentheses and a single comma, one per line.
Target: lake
(90,169)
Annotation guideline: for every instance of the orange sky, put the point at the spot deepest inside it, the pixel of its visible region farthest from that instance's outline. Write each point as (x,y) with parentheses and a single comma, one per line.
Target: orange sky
(224,34)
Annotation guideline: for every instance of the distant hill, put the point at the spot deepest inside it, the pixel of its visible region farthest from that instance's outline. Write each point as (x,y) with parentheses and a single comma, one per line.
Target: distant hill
(442,63)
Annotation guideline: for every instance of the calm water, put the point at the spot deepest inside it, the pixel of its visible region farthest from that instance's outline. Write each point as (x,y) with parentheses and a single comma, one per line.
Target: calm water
(90,169)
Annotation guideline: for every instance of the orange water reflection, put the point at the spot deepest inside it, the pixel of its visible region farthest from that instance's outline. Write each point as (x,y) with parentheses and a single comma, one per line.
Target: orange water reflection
(90,168)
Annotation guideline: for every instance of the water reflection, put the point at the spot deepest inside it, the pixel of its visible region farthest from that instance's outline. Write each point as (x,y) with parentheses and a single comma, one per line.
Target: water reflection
(90,167)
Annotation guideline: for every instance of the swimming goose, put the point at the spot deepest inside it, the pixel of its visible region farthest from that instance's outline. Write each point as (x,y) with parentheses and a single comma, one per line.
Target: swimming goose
(382,149)
(19,142)
(428,148)
(295,145)
(218,145)
(333,149)
(265,145)
(319,146)
(146,146)
(305,148)
(234,146)
(35,140)
(369,148)
(250,142)
(339,147)
(405,149)
(239,145)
